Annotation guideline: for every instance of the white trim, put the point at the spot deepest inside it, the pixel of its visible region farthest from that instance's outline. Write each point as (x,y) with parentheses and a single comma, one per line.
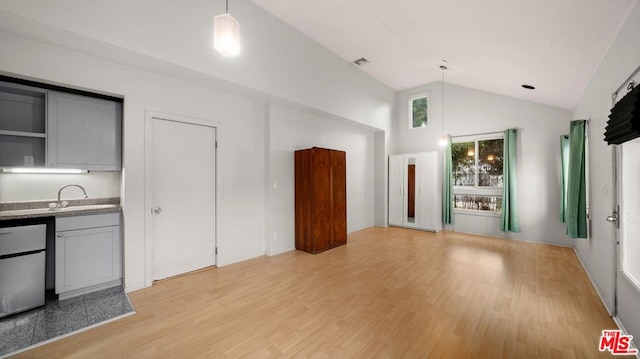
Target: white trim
(476,212)
(280,251)
(148,184)
(238,260)
(632,280)
(418,95)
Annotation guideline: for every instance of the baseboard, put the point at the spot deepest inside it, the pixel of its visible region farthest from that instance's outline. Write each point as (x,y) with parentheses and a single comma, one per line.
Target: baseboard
(137,287)
(280,251)
(222,263)
(593,283)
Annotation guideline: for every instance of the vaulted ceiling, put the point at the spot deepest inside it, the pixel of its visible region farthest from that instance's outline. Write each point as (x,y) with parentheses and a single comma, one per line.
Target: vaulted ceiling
(491,45)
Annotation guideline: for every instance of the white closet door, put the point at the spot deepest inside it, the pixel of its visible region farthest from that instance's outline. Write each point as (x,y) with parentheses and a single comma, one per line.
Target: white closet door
(396,190)
(429,191)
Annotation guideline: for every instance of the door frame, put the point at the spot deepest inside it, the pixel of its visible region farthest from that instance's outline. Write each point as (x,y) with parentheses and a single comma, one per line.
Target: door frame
(148,183)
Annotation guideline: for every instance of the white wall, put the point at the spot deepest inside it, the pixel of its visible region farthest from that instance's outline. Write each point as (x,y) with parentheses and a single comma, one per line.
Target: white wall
(294,130)
(37,187)
(468,112)
(179,76)
(598,253)
(241,136)
(275,59)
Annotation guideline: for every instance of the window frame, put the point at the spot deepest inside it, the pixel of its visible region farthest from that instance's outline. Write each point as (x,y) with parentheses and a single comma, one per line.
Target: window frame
(413,97)
(477,190)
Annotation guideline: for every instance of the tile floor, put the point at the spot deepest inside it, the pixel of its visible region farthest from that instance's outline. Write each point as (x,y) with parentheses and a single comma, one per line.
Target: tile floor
(57,318)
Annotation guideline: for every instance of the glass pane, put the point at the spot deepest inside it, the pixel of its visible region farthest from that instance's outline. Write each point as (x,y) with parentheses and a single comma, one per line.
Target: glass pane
(478,203)
(419,112)
(490,163)
(463,163)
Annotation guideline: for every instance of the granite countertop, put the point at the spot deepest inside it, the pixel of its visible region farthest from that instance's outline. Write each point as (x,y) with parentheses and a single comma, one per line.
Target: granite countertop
(36,209)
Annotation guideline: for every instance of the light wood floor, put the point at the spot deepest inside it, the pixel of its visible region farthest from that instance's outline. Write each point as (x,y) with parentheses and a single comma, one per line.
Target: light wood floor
(389,293)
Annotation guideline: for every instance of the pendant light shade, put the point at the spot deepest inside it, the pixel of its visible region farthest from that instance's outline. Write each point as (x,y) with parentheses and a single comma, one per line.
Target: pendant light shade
(226,35)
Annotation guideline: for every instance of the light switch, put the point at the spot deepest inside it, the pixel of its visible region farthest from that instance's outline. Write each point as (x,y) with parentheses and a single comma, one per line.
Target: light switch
(275,184)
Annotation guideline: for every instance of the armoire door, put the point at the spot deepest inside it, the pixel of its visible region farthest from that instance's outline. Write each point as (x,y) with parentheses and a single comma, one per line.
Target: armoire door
(339,196)
(322,201)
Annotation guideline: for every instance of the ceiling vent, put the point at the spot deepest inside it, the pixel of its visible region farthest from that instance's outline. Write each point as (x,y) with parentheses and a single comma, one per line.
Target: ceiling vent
(361,61)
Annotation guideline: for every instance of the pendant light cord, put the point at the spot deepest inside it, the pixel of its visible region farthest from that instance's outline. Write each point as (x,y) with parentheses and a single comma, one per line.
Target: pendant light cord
(227,7)
(442,67)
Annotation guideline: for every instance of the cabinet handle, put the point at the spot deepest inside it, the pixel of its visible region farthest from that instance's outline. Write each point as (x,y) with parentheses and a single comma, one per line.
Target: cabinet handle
(4,233)
(60,235)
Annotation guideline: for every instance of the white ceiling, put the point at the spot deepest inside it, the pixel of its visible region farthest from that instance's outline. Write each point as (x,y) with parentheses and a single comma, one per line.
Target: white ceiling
(492,45)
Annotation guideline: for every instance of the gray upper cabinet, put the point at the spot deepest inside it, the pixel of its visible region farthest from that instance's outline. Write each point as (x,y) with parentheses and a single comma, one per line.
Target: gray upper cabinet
(22,126)
(83,132)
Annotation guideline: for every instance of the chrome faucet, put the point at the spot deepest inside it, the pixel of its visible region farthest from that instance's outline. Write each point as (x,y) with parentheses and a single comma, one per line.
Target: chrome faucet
(59,203)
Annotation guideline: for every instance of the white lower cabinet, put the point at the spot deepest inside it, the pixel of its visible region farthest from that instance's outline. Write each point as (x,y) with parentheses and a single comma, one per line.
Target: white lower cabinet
(88,254)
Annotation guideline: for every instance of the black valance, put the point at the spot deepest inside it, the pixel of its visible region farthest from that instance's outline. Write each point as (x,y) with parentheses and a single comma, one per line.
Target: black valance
(624,120)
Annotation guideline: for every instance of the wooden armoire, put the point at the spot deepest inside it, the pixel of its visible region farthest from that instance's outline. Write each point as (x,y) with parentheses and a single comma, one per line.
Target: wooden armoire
(321,199)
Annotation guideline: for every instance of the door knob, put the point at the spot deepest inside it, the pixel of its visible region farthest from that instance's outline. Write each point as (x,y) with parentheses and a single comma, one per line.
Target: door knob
(156,210)
(613,218)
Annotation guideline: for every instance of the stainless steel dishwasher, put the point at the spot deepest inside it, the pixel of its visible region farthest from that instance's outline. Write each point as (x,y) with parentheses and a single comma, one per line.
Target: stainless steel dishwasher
(22,268)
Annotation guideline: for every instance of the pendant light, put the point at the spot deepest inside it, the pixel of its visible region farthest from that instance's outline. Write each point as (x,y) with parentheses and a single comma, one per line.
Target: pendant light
(226,33)
(444,140)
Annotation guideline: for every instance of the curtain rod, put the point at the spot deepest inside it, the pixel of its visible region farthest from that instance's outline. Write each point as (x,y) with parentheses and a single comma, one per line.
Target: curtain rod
(625,83)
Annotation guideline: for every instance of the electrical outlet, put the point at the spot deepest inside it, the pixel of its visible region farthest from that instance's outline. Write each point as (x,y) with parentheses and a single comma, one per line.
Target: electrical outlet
(28,161)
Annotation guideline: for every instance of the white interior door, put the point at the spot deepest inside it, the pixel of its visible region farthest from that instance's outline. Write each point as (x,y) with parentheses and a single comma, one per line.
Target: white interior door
(182,196)
(628,278)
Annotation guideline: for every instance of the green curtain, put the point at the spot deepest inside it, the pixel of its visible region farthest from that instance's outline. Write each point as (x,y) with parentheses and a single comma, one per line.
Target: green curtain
(576,211)
(564,159)
(447,192)
(510,221)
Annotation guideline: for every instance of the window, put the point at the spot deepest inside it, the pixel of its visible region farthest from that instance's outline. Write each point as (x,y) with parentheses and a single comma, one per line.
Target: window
(419,109)
(477,174)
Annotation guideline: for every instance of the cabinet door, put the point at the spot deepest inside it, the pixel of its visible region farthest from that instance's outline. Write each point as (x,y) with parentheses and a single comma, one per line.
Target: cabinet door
(83,132)
(396,190)
(87,257)
(339,196)
(322,201)
(429,169)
